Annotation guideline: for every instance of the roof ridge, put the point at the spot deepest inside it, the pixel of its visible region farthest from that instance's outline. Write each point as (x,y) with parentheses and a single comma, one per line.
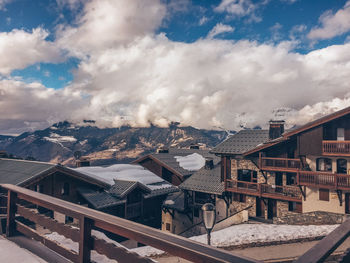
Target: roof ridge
(28,161)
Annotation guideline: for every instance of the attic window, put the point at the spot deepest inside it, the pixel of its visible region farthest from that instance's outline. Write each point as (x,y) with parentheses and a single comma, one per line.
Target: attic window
(65,189)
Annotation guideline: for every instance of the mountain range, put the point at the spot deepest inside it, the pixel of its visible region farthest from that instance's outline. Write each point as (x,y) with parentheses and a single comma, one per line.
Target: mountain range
(59,142)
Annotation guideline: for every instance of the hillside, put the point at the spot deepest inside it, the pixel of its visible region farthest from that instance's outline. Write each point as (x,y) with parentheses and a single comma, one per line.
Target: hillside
(103,145)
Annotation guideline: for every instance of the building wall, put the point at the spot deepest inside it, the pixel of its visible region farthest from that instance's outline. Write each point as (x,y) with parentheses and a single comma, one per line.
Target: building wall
(312,202)
(178,224)
(311,161)
(236,206)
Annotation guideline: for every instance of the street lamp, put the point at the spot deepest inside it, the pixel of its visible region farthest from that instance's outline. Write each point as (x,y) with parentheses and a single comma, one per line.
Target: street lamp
(209,215)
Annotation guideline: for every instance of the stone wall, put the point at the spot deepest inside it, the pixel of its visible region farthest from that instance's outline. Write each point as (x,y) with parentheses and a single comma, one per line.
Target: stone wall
(238,206)
(311,218)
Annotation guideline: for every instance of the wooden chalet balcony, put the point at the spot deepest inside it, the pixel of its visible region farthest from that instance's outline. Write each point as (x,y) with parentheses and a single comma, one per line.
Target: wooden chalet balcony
(324,180)
(279,164)
(89,220)
(336,148)
(288,193)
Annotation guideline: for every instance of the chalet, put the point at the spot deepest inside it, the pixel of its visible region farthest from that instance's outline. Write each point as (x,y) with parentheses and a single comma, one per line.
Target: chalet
(182,210)
(51,179)
(299,175)
(175,165)
(133,192)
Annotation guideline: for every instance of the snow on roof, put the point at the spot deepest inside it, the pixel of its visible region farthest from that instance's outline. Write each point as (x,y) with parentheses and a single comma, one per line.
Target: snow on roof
(192,162)
(127,172)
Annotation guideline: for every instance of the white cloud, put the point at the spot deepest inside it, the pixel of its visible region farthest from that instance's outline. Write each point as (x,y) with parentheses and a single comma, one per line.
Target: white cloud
(108,23)
(19,49)
(332,24)
(203,20)
(241,8)
(3,3)
(220,29)
(27,106)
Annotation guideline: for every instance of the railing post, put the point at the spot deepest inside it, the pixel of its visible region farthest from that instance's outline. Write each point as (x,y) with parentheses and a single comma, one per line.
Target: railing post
(260,160)
(11,213)
(336,181)
(85,243)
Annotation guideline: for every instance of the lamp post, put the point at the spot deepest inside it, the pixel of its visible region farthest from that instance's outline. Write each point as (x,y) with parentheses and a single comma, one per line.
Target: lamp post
(209,215)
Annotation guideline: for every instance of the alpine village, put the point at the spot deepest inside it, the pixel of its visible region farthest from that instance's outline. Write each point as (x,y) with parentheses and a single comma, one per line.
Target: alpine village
(277,177)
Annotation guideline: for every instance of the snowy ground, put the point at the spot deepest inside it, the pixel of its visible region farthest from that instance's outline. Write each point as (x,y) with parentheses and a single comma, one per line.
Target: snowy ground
(10,252)
(252,233)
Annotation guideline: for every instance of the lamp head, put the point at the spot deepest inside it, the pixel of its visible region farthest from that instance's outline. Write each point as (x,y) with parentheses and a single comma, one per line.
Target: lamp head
(209,215)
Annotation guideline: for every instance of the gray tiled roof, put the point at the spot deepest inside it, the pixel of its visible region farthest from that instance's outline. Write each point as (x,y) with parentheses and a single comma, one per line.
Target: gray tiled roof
(162,191)
(242,142)
(99,200)
(123,187)
(206,181)
(175,201)
(15,172)
(169,158)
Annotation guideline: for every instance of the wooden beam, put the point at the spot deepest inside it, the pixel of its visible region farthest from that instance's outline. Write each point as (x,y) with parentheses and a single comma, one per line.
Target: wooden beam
(11,213)
(85,243)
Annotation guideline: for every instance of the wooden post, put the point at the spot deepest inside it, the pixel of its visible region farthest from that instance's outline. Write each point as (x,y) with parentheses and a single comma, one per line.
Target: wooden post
(85,243)
(11,213)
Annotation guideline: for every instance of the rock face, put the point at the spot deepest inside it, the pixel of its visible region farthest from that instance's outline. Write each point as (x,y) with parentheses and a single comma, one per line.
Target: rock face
(103,145)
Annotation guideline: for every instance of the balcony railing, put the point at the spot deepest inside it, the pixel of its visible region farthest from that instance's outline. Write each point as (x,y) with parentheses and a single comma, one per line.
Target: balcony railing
(289,193)
(90,219)
(336,148)
(324,180)
(279,164)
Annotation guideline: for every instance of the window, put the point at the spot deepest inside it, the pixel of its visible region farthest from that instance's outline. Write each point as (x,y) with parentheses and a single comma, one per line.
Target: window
(340,134)
(196,212)
(65,189)
(247,175)
(291,179)
(324,194)
(68,220)
(167,226)
(294,207)
(324,164)
(342,166)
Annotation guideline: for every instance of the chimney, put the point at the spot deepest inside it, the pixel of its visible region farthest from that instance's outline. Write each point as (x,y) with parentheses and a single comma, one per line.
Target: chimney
(209,163)
(163,150)
(83,162)
(194,146)
(276,129)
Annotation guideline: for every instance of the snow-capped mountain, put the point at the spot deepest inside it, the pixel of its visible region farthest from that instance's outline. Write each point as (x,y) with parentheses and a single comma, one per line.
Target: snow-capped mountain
(103,145)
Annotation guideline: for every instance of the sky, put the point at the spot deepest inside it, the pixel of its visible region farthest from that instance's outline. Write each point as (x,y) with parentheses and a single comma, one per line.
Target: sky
(220,64)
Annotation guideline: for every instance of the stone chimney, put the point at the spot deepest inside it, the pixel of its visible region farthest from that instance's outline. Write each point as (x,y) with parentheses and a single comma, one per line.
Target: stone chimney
(83,162)
(209,163)
(276,129)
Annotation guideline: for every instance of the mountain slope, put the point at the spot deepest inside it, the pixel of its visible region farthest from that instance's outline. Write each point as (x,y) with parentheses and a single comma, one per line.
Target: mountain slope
(104,145)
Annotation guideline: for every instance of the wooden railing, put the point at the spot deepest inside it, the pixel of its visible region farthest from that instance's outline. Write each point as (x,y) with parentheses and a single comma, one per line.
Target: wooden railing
(337,148)
(289,193)
(324,180)
(279,164)
(91,219)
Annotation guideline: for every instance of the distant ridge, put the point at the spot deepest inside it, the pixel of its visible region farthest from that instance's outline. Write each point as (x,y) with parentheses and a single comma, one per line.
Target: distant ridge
(104,145)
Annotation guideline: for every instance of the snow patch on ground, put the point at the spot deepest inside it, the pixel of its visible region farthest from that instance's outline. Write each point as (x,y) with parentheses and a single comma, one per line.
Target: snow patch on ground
(56,138)
(192,162)
(252,233)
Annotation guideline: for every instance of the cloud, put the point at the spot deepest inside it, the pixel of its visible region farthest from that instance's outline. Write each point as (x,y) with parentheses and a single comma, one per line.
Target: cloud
(28,106)
(19,49)
(108,23)
(3,3)
(203,20)
(220,29)
(241,8)
(332,24)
